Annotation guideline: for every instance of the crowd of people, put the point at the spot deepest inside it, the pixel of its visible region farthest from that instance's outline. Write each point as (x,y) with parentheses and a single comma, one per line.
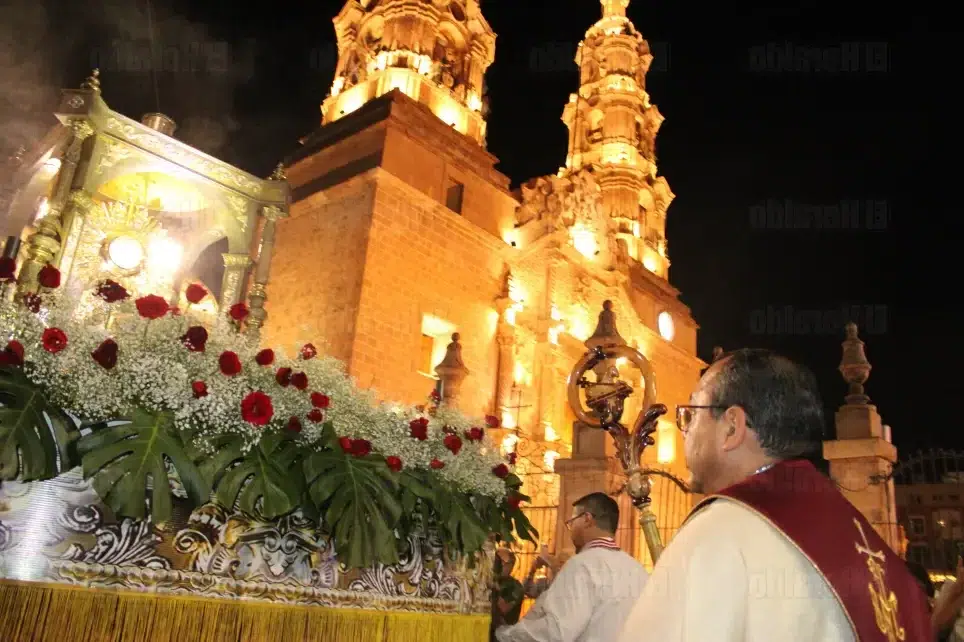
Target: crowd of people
(773,551)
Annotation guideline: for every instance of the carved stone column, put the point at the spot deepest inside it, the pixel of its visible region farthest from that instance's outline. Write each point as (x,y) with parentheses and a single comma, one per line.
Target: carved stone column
(232,284)
(452,372)
(258,294)
(44,245)
(861,457)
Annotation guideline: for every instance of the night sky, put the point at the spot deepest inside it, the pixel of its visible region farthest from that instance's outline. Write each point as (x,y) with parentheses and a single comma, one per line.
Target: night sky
(825,109)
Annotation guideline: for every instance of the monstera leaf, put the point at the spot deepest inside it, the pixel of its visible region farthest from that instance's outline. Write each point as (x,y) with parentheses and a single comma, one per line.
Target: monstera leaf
(358,498)
(462,527)
(259,481)
(521,525)
(124,459)
(34,435)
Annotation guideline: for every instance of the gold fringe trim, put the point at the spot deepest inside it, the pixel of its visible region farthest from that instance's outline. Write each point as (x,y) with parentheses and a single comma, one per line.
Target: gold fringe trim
(34,612)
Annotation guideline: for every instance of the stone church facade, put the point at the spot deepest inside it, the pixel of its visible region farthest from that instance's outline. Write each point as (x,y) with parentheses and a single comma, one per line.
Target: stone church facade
(402,232)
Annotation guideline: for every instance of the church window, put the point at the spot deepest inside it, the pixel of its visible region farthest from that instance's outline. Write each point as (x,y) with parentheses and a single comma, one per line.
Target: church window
(436,335)
(426,350)
(454,191)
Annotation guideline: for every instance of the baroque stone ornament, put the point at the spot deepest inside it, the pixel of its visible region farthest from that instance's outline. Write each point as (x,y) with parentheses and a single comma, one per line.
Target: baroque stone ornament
(854,366)
(58,531)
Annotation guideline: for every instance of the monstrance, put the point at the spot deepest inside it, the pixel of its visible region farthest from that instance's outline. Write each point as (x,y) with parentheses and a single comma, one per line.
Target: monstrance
(605,400)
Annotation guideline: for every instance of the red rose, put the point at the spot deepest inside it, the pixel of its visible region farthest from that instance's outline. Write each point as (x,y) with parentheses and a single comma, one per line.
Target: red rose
(308,351)
(475,434)
(200,389)
(299,380)
(195,338)
(501,471)
(345,443)
(418,428)
(49,277)
(283,377)
(238,312)
(152,306)
(315,416)
(294,424)
(435,396)
(437,465)
(54,340)
(106,354)
(229,363)
(511,458)
(32,302)
(12,355)
(513,501)
(256,408)
(195,293)
(492,421)
(8,269)
(394,463)
(265,357)
(360,447)
(453,443)
(112,291)
(319,400)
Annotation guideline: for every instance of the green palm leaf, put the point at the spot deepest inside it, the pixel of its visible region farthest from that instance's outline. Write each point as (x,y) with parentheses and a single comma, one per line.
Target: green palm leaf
(357,496)
(259,481)
(462,527)
(124,459)
(34,435)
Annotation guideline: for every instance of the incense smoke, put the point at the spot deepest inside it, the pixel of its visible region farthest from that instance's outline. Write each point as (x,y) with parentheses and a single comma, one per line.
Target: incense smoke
(186,72)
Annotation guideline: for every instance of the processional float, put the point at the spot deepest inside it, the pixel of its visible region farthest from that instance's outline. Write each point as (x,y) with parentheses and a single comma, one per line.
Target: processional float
(159,519)
(603,407)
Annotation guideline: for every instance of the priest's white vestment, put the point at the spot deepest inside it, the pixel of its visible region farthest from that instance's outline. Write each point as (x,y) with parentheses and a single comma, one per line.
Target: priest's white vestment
(588,601)
(729,576)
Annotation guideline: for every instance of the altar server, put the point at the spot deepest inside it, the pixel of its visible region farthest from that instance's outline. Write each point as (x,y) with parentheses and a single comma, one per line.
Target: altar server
(590,597)
(774,551)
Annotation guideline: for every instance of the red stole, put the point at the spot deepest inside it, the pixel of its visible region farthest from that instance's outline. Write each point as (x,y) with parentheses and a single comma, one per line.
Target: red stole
(881,598)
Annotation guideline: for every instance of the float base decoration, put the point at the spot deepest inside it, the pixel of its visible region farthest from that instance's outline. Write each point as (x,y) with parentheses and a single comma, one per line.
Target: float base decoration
(164,480)
(38,613)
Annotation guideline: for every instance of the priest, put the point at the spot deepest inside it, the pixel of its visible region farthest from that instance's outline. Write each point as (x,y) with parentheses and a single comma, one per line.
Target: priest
(774,551)
(589,600)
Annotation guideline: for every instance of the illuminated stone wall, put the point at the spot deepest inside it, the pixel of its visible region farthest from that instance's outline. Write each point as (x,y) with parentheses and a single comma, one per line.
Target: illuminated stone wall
(402,232)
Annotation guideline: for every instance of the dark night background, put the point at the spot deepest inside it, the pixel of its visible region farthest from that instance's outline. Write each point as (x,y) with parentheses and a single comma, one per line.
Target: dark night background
(244,82)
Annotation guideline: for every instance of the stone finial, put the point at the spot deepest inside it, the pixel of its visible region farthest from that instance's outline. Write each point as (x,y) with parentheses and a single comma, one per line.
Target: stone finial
(717,354)
(452,371)
(279,173)
(614,8)
(854,366)
(92,82)
(606,335)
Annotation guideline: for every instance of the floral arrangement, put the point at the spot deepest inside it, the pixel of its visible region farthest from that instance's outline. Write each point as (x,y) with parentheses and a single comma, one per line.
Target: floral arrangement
(151,403)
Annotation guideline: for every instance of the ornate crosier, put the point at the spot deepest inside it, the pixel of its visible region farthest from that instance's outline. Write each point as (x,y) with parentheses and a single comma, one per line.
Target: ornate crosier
(606,400)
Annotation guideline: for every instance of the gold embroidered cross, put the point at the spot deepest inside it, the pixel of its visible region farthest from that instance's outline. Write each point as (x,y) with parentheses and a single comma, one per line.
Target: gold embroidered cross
(883,599)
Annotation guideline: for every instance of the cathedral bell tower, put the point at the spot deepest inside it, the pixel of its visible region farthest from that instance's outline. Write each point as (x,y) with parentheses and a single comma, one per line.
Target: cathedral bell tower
(434,51)
(612,129)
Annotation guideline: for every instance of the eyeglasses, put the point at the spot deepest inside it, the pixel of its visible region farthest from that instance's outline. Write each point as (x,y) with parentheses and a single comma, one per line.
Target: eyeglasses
(569,522)
(686,414)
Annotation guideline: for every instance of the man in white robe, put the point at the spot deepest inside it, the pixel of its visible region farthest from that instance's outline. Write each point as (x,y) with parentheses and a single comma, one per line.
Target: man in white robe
(590,597)
(774,552)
